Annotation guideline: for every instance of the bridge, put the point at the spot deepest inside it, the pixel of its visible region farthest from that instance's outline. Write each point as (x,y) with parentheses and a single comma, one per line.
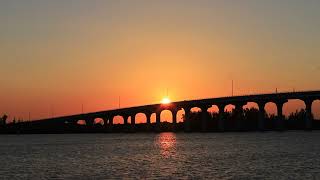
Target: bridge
(308,97)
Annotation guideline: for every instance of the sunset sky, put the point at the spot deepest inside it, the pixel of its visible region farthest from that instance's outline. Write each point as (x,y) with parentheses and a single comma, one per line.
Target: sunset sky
(57,55)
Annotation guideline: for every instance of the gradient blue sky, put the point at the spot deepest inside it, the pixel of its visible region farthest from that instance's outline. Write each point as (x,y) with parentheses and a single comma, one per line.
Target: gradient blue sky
(60,54)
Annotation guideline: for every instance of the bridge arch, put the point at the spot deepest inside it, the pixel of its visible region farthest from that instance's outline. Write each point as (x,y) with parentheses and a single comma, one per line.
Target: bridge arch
(180,115)
(271,109)
(251,105)
(81,122)
(229,108)
(253,116)
(195,109)
(141,118)
(213,109)
(118,119)
(251,111)
(316,109)
(293,106)
(166,116)
(99,121)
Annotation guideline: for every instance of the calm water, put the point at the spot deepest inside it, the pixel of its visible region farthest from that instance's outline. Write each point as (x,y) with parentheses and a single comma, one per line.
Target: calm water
(271,155)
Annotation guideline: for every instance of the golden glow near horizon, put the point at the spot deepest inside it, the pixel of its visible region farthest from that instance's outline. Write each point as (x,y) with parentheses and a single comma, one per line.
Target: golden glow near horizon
(165,100)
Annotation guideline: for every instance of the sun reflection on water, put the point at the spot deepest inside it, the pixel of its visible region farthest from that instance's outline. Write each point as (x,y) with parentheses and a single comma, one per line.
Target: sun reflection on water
(166,143)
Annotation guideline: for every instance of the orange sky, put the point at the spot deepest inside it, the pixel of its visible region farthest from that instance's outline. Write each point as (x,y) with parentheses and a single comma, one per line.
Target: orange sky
(57,55)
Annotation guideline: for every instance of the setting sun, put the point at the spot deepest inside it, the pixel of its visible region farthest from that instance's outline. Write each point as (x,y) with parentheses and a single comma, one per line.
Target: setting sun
(165,100)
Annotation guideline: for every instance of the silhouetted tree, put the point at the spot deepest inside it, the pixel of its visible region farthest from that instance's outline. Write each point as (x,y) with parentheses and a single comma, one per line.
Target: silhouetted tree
(249,119)
(3,120)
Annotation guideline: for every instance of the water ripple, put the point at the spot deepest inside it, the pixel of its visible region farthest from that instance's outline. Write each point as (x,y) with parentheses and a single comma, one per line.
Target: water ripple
(271,155)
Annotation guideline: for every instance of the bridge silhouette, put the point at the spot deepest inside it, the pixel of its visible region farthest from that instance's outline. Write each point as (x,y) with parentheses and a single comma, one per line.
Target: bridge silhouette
(279,99)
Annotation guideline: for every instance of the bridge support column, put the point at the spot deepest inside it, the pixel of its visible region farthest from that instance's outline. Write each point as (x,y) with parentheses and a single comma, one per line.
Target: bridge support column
(133,122)
(187,120)
(89,122)
(174,120)
(280,118)
(125,119)
(158,121)
(148,116)
(308,119)
(221,118)
(105,122)
(110,123)
(239,116)
(125,123)
(204,118)
(261,120)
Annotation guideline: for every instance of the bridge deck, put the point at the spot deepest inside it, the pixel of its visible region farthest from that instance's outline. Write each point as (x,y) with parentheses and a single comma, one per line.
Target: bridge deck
(225,100)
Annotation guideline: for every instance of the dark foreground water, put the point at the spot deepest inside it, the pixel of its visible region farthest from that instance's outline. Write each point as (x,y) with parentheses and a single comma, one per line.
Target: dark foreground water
(270,155)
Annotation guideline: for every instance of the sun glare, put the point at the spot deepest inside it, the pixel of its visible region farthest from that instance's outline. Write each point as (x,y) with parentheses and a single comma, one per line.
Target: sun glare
(165,100)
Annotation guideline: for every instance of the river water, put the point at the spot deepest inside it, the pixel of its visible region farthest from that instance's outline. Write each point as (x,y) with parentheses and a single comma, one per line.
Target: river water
(269,155)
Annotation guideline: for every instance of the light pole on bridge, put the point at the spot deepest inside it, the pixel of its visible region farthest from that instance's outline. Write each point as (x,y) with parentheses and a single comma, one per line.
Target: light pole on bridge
(232,87)
(82,108)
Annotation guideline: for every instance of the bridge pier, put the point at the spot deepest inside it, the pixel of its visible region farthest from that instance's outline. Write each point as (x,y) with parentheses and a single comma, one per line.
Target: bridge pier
(239,116)
(110,123)
(106,123)
(308,119)
(89,122)
(133,122)
(262,112)
(125,119)
(174,119)
(280,118)
(148,116)
(158,121)
(204,118)
(125,123)
(221,118)
(187,122)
